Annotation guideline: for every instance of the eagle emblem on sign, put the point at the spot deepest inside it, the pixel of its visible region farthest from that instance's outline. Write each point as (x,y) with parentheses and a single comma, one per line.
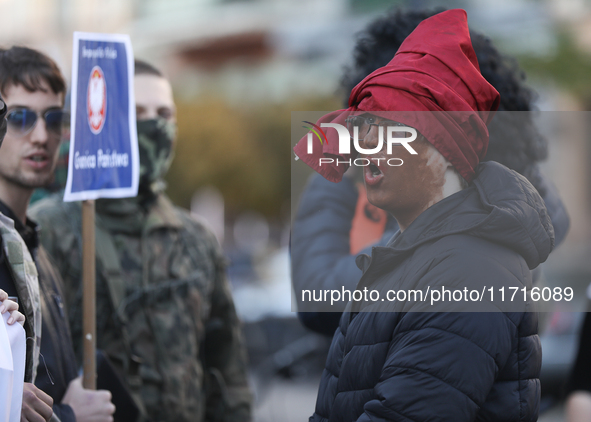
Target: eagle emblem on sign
(96,100)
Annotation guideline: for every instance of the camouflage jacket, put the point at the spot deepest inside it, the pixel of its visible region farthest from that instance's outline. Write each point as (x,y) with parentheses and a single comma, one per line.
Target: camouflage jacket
(165,314)
(24,273)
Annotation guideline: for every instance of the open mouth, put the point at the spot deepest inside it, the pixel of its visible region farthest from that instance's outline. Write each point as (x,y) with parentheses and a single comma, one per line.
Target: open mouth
(37,158)
(375,171)
(373,174)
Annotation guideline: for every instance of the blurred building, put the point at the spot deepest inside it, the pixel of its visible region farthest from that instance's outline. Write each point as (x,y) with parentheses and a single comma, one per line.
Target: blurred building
(264,49)
(241,49)
(249,52)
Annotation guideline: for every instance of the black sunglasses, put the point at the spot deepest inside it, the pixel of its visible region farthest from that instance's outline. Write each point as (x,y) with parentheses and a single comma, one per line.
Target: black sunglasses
(364,124)
(22,120)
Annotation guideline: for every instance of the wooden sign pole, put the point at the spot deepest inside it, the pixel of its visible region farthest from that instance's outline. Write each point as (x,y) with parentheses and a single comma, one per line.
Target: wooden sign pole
(88,295)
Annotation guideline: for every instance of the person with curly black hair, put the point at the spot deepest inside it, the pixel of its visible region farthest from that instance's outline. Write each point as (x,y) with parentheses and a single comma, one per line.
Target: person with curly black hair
(329,229)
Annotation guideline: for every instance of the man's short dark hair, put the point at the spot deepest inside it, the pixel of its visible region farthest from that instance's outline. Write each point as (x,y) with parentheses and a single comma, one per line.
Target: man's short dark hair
(145,68)
(518,147)
(29,68)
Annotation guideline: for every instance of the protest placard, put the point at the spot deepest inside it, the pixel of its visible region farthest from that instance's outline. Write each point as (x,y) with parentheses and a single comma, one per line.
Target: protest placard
(104,160)
(104,157)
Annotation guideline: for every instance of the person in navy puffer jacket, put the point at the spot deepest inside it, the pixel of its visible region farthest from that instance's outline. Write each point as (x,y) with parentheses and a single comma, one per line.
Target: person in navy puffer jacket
(322,249)
(462,225)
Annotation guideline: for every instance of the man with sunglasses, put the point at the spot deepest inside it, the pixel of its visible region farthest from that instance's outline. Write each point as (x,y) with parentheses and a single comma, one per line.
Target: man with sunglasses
(34,91)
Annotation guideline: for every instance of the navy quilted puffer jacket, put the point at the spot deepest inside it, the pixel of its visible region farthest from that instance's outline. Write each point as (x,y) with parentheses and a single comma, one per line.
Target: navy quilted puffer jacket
(435,366)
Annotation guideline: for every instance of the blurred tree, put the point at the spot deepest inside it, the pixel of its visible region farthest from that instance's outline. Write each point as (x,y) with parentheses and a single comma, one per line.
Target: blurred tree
(570,67)
(245,153)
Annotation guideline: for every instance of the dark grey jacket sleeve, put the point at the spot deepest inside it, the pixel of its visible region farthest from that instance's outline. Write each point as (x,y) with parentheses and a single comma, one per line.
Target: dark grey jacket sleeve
(320,247)
(554,205)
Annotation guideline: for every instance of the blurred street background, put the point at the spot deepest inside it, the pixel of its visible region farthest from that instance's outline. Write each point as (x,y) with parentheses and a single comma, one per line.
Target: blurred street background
(238,69)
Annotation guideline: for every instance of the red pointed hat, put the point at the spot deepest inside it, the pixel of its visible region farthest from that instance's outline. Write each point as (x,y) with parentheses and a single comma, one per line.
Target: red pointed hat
(433,84)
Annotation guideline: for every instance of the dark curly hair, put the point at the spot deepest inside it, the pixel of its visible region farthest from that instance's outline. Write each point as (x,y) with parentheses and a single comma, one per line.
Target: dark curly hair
(514,139)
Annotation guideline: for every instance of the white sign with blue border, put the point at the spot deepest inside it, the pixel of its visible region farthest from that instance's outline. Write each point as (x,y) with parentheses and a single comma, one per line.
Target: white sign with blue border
(104,158)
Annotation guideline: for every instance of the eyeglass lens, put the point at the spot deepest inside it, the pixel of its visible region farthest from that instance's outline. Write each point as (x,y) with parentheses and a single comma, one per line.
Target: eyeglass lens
(364,125)
(21,121)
